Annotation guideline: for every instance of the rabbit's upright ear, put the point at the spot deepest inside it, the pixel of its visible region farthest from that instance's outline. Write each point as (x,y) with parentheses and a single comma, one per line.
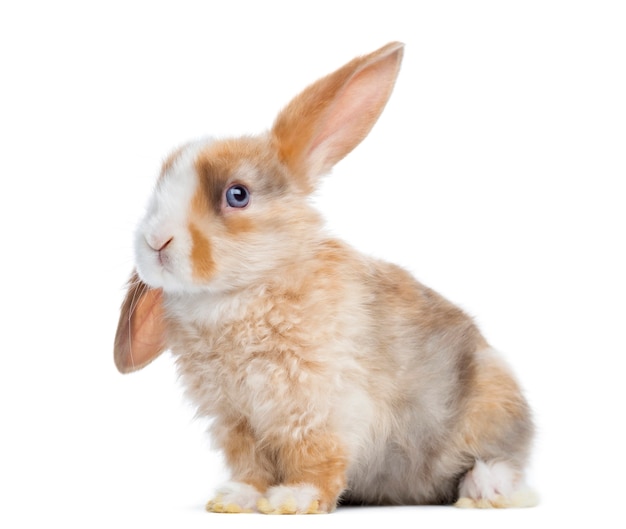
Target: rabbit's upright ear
(333,115)
(140,336)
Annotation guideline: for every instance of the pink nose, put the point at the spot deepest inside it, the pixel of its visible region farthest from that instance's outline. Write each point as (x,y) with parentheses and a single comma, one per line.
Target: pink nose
(158,244)
(165,244)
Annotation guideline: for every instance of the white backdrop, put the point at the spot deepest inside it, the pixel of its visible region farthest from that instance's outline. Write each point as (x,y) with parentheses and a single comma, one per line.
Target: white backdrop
(495,174)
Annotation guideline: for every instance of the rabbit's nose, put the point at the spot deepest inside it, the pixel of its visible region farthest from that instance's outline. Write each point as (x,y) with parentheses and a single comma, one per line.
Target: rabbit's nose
(165,244)
(159,244)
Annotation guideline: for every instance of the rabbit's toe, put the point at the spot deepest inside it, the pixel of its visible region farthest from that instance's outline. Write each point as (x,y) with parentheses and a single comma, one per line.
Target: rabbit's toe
(296,499)
(234,497)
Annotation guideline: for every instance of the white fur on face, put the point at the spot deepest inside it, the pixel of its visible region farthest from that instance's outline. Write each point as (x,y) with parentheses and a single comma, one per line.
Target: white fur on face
(166,220)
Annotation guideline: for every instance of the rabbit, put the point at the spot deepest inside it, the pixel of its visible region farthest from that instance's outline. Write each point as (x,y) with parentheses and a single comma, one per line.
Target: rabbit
(330,377)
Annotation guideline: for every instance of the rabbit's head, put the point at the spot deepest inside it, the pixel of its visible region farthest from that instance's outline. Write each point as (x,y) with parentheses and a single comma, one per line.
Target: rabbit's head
(223,214)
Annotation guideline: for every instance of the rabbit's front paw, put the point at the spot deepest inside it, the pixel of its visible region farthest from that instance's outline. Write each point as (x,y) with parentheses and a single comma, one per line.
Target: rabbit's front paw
(234,497)
(294,499)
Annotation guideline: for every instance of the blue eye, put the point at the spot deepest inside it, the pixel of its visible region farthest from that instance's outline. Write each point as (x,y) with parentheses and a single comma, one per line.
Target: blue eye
(237,196)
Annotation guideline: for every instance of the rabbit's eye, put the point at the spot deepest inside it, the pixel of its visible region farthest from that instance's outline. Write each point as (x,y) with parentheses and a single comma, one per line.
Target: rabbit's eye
(237,196)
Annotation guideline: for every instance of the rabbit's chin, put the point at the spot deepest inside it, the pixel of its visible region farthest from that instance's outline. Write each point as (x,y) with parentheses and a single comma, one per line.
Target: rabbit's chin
(160,277)
(174,284)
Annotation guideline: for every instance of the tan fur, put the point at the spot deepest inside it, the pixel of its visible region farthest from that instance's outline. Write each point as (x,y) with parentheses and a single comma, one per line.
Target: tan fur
(247,460)
(296,137)
(320,461)
(221,163)
(329,375)
(496,415)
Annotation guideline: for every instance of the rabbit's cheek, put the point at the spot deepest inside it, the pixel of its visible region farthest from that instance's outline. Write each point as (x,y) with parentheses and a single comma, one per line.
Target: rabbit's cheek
(201,256)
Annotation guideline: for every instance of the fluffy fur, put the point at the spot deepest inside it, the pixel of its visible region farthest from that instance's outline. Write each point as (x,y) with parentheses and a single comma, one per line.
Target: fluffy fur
(330,376)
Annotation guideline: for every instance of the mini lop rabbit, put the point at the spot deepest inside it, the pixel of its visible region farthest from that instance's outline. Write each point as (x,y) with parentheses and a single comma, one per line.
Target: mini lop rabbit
(330,376)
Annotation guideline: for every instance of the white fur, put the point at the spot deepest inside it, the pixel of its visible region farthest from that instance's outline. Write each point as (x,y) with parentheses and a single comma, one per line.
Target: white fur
(494,484)
(234,496)
(488,480)
(295,499)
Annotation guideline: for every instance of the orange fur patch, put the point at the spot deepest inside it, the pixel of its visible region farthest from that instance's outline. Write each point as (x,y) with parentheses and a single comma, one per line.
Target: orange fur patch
(201,256)
(222,163)
(246,161)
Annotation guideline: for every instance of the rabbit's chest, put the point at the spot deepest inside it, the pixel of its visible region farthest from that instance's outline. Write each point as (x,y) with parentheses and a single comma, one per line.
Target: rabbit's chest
(256,364)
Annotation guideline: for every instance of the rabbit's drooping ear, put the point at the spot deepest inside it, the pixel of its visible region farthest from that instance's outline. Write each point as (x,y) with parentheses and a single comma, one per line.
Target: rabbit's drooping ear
(333,115)
(140,336)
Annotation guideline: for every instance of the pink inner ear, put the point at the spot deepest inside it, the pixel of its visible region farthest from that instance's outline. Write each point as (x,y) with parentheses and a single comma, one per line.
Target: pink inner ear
(355,109)
(140,334)
(332,116)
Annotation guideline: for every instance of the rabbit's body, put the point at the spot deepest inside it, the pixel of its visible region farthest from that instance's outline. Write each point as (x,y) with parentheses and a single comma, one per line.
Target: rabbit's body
(380,365)
(328,374)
